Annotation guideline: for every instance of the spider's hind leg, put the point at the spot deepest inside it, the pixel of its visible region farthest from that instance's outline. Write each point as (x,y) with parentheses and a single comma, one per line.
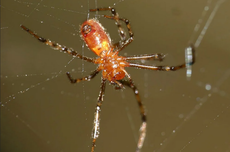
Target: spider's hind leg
(57,46)
(124,42)
(114,16)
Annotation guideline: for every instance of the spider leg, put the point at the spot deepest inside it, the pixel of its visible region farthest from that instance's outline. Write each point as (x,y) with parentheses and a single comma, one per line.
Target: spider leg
(57,46)
(165,68)
(158,68)
(86,78)
(116,18)
(156,56)
(142,111)
(96,122)
(118,85)
(124,42)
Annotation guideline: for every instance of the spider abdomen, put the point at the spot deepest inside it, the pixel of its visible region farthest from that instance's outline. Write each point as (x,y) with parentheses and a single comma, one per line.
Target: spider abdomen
(95,37)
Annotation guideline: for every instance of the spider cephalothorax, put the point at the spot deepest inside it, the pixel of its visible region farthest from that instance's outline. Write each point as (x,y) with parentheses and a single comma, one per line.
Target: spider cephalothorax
(112,65)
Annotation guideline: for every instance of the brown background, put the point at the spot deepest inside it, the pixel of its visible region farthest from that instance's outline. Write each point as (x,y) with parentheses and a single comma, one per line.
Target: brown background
(56,116)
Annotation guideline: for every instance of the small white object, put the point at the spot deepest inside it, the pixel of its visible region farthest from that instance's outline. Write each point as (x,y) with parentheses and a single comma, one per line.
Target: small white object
(188,61)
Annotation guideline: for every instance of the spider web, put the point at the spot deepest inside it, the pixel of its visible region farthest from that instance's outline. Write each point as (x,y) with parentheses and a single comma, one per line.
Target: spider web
(42,111)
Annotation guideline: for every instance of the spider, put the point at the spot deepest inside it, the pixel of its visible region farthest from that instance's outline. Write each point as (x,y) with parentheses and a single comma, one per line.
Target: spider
(110,63)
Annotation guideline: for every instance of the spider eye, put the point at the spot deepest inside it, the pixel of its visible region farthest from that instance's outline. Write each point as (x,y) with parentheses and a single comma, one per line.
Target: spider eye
(86,29)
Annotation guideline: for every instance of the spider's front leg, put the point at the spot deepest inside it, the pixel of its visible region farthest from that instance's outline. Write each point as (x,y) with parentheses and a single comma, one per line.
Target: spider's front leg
(143,127)
(96,122)
(86,78)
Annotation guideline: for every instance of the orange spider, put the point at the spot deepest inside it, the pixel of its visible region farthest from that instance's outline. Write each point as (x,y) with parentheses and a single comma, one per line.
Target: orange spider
(110,63)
